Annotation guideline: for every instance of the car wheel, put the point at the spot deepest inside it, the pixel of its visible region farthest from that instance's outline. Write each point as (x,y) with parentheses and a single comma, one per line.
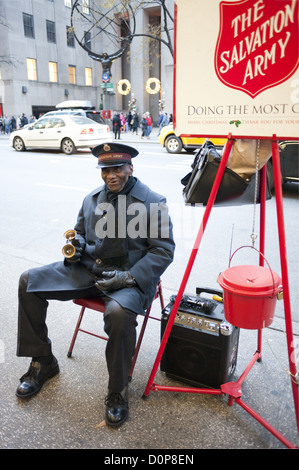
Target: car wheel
(173,144)
(67,146)
(18,144)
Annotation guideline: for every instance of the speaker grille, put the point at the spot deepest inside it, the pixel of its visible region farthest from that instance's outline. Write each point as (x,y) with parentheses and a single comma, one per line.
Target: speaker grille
(199,358)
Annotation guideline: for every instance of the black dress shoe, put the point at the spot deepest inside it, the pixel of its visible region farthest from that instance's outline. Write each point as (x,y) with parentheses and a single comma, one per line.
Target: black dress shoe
(35,377)
(117,408)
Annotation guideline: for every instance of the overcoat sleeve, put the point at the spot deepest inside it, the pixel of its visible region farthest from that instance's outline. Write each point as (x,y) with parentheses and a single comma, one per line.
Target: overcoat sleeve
(159,250)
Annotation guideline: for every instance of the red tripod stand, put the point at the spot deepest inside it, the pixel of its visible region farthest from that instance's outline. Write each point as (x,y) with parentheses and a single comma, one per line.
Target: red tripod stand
(233,389)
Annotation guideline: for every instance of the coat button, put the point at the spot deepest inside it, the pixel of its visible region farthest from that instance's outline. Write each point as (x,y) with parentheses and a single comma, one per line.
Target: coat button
(98,261)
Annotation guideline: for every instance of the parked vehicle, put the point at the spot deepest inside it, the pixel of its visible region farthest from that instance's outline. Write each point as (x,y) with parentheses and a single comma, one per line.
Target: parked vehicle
(77,108)
(289,160)
(175,144)
(65,132)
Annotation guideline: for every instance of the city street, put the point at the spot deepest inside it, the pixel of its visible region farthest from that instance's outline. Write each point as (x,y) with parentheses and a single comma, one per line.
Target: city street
(40,195)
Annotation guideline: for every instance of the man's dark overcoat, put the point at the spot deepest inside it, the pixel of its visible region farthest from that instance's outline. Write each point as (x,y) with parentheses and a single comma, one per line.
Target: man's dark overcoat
(147,257)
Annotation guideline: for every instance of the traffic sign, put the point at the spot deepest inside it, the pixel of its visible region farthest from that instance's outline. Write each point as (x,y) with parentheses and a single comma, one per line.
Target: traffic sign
(107,86)
(105,77)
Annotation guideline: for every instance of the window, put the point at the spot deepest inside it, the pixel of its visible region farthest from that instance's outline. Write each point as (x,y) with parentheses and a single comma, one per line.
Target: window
(41,124)
(72,74)
(68,3)
(58,122)
(54,122)
(70,38)
(53,72)
(88,76)
(85,6)
(87,39)
(51,34)
(28,25)
(31,69)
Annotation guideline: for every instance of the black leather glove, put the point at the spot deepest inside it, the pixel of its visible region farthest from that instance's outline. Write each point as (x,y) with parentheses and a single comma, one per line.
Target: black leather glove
(113,280)
(76,257)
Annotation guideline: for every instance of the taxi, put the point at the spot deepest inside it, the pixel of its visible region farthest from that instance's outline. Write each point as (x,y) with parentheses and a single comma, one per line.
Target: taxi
(175,144)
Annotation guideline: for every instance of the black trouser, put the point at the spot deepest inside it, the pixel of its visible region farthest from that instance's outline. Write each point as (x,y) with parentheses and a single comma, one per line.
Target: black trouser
(119,324)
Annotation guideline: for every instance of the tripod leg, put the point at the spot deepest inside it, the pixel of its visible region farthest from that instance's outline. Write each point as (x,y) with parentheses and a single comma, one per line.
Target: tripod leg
(284,273)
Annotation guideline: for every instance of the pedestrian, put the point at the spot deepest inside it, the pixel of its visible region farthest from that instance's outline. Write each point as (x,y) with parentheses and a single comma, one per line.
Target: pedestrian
(24,120)
(123,122)
(163,122)
(143,126)
(6,124)
(149,123)
(129,120)
(135,123)
(126,126)
(110,262)
(19,122)
(116,124)
(161,114)
(13,124)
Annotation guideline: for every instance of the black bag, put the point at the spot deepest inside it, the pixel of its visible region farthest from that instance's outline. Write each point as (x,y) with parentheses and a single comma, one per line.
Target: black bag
(199,182)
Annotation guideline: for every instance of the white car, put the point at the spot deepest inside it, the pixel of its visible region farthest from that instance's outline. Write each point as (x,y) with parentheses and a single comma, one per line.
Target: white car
(67,133)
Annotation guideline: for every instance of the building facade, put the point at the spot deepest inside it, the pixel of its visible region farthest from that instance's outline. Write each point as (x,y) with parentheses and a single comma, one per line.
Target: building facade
(42,64)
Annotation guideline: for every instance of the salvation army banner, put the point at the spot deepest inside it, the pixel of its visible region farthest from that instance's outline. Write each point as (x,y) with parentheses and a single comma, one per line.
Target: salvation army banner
(236,68)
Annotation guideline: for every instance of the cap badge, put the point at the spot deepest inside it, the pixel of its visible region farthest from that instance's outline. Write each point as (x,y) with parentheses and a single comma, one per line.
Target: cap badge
(106,148)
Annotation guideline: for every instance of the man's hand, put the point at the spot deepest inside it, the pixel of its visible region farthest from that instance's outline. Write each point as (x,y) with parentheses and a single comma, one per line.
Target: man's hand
(76,257)
(113,280)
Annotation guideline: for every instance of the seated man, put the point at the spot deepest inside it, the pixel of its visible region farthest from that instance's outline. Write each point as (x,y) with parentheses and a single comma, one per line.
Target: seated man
(119,256)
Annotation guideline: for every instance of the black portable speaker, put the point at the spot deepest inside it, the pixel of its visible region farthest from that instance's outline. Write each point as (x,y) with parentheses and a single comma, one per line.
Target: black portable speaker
(202,346)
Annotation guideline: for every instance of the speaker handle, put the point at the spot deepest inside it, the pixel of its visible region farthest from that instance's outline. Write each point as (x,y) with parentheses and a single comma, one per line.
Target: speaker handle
(207,290)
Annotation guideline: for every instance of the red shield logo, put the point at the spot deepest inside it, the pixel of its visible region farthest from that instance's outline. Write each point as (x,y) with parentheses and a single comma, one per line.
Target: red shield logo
(258,44)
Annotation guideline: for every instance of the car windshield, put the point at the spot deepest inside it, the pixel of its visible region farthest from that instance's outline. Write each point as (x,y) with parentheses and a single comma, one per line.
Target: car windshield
(81,120)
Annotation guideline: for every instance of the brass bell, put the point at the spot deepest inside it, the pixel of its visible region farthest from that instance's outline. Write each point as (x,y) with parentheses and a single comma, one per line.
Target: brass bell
(69,250)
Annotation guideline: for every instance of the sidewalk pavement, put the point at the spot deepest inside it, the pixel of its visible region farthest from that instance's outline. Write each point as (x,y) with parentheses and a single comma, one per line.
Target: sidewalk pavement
(129,137)
(68,412)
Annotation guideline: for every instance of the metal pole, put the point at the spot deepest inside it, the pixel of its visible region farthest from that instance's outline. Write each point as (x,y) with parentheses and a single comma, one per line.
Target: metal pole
(284,274)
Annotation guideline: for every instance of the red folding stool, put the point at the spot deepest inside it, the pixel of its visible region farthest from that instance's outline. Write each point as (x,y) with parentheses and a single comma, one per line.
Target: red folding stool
(96,303)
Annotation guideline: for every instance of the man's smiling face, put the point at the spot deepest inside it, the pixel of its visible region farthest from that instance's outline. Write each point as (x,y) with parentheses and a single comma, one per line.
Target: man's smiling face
(115,177)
